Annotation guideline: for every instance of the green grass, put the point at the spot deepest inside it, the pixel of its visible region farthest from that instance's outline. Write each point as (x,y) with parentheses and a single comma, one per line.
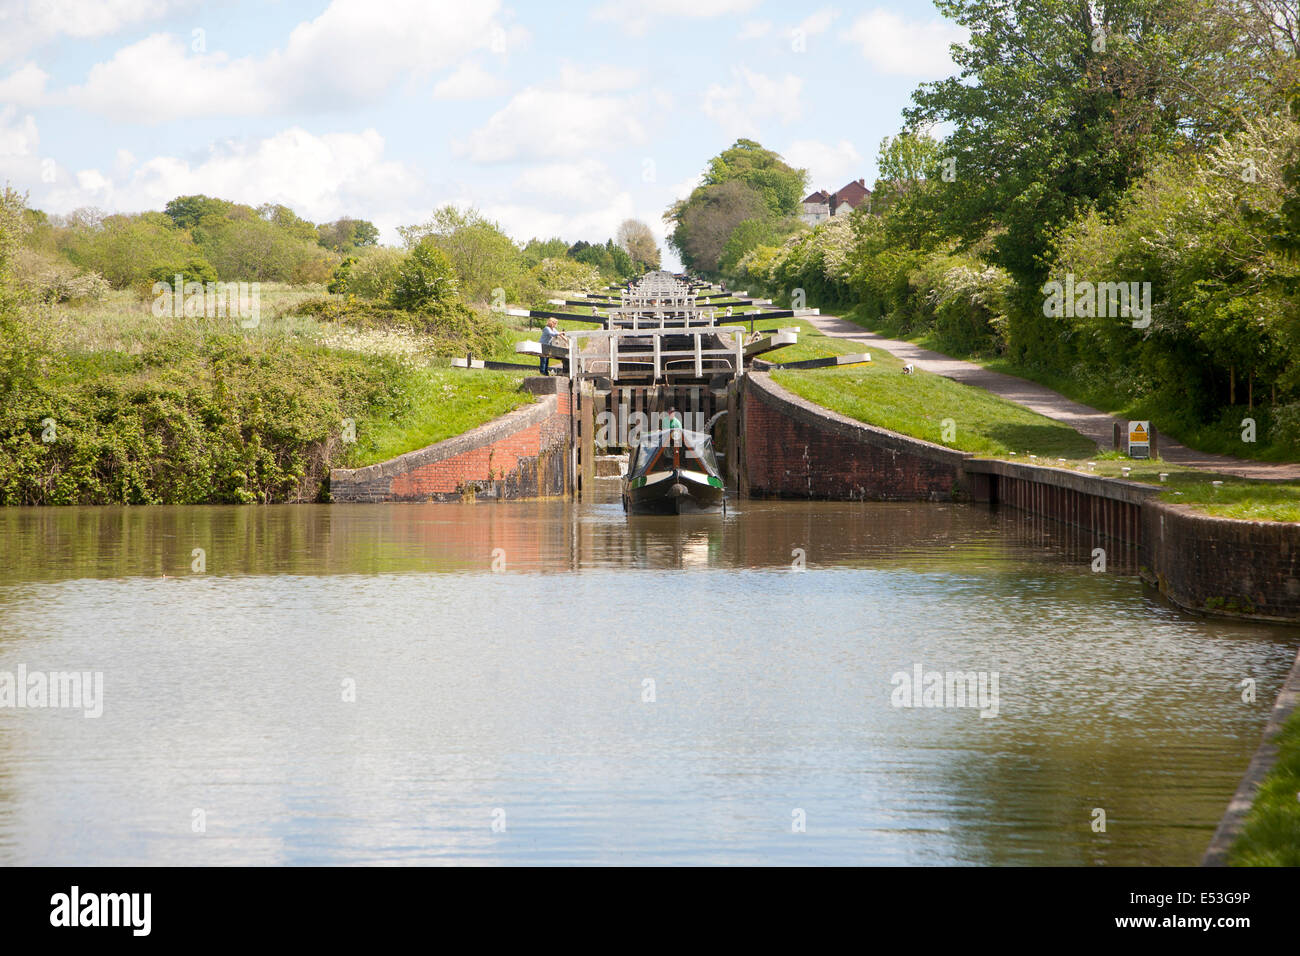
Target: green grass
(918,405)
(1271,835)
(1234,498)
(1223,438)
(436,403)
(812,344)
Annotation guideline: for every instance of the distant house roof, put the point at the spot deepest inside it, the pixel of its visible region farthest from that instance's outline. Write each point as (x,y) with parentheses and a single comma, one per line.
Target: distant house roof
(855,193)
(818,197)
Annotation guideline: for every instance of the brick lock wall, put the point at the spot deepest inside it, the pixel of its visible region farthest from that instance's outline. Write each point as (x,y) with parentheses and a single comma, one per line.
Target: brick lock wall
(1222,565)
(524,453)
(793,448)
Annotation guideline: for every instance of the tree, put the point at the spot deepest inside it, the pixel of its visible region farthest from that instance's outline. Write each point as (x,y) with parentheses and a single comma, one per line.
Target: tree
(706,222)
(371,274)
(1058,107)
(347,235)
(609,258)
(20,349)
(907,158)
(189,211)
(743,182)
(127,250)
(780,185)
(426,280)
(749,235)
(483,256)
(537,250)
(635,238)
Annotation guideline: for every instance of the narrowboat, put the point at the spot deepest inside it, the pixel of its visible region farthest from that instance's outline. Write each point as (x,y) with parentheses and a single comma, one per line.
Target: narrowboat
(673,471)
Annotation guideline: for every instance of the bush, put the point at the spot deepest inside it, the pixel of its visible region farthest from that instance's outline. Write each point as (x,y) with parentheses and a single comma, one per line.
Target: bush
(567,275)
(225,419)
(195,269)
(426,279)
(372,275)
(452,327)
(1286,427)
(50,278)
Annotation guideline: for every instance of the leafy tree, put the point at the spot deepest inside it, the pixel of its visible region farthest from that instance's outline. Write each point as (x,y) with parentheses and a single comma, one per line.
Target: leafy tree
(189,211)
(1058,108)
(128,249)
(347,235)
(752,233)
(266,248)
(193,269)
(17,347)
(371,274)
(743,182)
(762,170)
(635,238)
(609,258)
(426,281)
(483,256)
(706,221)
(535,250)
(564,274)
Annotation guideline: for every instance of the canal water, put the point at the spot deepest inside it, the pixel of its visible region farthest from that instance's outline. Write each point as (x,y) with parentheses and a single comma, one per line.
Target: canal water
(553,682)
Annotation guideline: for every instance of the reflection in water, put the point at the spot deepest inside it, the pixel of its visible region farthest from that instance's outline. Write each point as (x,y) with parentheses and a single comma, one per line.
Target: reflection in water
(528,689)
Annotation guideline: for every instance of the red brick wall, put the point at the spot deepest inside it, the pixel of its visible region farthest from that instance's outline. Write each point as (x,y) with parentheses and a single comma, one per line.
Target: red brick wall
(1221,565)
(792,448)
(522,454)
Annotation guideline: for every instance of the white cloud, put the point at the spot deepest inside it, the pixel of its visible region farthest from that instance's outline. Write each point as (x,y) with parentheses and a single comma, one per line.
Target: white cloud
(319,177)
(157,79)
(469,82)
(906,47)
(552,124)
(816,23)
(829,166)
(603,78)
(754,30)
(25,26)
(25,86)
(750,98)
(19,139)
(524,222)
(637,16)
(585,182)
(347,56)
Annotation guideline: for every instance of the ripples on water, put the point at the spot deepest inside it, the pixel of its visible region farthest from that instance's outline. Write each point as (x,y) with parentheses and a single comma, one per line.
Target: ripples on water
(522,690)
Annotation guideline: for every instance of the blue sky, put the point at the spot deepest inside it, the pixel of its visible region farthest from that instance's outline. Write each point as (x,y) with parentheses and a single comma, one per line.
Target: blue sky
(554,119)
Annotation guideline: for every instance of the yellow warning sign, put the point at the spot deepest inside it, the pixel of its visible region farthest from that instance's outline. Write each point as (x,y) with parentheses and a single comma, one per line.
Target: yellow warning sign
(1139,439)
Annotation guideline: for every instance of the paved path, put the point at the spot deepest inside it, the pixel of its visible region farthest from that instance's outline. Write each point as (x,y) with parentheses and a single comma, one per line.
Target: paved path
(1087,421)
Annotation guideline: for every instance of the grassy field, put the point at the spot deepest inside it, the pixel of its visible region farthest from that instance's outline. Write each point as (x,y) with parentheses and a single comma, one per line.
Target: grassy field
(1271,836)
(1218,438)
(920,404)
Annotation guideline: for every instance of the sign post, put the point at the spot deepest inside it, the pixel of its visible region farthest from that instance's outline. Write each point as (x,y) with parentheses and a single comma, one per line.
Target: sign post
(1139,439)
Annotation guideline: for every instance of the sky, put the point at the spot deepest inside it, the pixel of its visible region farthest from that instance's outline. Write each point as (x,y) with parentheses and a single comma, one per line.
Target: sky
(554,119)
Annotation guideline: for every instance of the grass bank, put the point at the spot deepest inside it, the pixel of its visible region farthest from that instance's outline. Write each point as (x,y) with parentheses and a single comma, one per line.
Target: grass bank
(984,424)
(1223,437)
(115,405)
(1271,831)
(934,408)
